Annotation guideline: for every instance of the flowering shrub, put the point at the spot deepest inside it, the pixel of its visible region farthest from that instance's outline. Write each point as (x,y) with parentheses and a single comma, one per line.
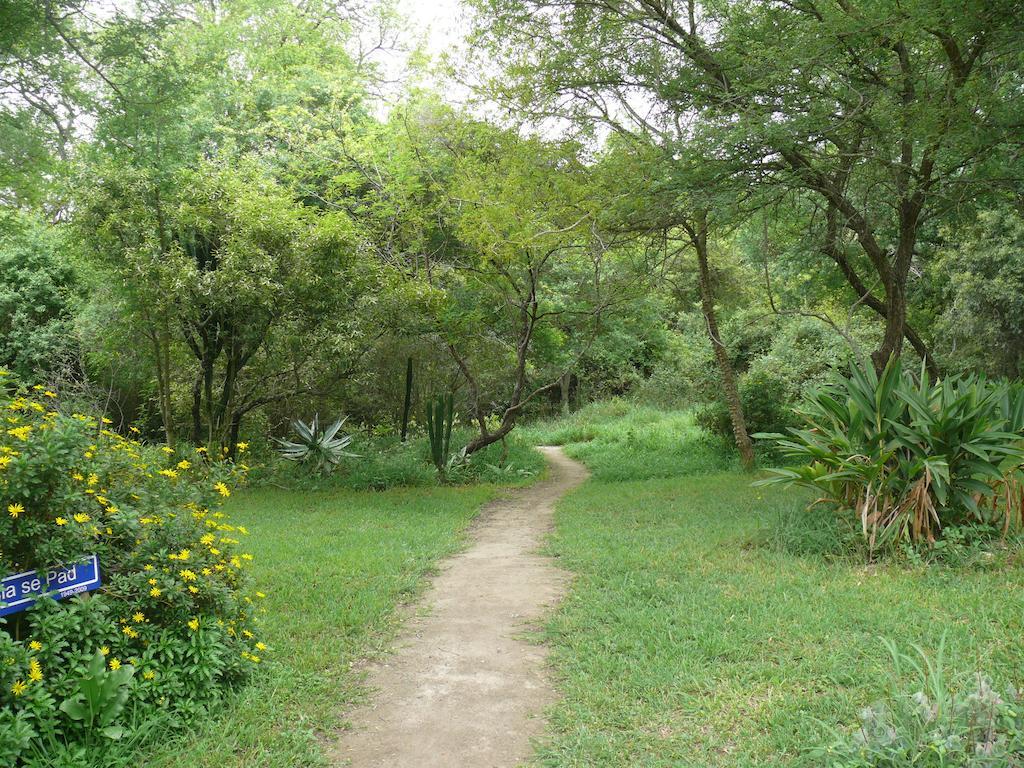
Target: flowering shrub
(173,611)
(975,726)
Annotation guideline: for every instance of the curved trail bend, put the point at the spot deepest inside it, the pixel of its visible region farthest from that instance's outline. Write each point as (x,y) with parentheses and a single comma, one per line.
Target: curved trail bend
(463,690)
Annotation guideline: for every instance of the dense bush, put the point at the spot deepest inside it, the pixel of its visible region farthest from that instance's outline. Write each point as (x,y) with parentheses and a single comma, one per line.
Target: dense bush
(802,353)
(935,726)
(37,288)
(173,609)
(766,407)
(910,457)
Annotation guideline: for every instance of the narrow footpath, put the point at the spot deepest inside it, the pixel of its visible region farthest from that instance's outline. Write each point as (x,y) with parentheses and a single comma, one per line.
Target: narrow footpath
(463,689)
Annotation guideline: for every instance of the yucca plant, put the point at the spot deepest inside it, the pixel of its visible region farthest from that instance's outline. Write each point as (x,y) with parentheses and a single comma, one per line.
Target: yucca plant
(910,457)
(320,449)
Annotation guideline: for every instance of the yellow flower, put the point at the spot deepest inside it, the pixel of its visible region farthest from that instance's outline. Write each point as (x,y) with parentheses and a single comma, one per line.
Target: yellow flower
(4,461)
(149,674)
(193,590)
(104,650)
(184,464)
(19,687)
(168,473)
(22,433)
(261,647)
(260,595)
(222,489)
(242,447)
(48,393)
(167,449)
(81,517)
(61,521)
(193,624)
(155,592)
(35,645)
(187,575)
(15,509)
(200,449)
(128,631)
(134,430)
(93,479)
(35,672)
(115,664)
(138,617)
(77,476)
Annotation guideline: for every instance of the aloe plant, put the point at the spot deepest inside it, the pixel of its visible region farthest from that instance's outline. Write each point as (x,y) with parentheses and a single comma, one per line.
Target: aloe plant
(323,449)
(440,416)
(910,457)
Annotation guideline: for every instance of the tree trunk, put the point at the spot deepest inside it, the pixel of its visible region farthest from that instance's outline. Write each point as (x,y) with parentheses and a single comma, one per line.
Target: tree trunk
(408,400)
(566,383)
(728,375)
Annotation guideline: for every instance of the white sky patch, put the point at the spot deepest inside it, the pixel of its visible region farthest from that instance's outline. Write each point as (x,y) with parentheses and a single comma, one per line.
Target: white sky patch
(441,24)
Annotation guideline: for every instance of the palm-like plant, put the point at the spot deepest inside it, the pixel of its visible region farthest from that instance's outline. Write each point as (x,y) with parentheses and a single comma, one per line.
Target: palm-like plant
(910,457)
(322,449)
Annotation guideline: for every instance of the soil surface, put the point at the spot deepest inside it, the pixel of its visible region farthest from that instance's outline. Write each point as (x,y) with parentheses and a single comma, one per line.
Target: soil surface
(464,689)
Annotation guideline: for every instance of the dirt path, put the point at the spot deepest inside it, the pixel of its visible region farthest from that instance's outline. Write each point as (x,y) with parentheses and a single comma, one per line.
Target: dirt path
(463,690)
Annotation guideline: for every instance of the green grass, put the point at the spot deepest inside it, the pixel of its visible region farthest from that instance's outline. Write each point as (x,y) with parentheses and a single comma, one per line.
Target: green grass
(334,565)
(385,462)
(618,440)
(684,644)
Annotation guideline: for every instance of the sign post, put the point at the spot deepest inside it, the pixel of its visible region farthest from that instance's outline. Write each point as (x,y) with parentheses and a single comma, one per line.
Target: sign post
(23,590)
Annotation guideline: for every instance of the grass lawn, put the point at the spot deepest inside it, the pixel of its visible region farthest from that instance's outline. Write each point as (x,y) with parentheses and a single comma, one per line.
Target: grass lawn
(683,643)
(334,566)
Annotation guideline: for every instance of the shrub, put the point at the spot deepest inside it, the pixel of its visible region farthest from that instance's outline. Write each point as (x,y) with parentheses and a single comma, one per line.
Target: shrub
(910,458)
(766,408)
(172,606)
(934,726)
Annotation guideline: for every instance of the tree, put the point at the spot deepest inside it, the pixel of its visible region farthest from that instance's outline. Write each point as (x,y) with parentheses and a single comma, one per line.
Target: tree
(185,201)
(497,231)
(886,114)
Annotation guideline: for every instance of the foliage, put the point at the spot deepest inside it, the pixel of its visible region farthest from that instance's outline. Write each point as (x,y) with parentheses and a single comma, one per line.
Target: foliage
(980,279)
(320,449)
(174,605)
(939,724)
(910,457)
(37,292)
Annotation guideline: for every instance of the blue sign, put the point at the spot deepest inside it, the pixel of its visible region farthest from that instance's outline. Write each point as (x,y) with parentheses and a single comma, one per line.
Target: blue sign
(22,590)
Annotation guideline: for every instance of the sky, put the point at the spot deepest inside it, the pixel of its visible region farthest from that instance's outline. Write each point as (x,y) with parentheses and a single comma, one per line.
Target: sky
(440,21)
